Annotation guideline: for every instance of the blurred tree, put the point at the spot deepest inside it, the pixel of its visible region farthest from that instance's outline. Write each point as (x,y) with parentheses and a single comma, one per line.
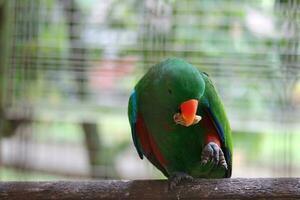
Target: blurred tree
(9,124)
(156,28)
(77,58)
(288,52)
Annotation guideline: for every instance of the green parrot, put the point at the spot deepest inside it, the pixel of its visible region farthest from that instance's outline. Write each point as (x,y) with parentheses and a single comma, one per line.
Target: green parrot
(179,124)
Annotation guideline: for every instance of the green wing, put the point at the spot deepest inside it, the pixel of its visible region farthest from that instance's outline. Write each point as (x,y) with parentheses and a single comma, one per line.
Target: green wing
(144,144)
(216,109)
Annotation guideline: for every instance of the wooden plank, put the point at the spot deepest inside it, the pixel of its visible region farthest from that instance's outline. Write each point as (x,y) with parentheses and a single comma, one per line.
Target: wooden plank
(235,188)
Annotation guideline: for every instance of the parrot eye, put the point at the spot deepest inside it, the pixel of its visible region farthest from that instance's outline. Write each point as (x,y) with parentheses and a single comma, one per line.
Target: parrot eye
(170,91)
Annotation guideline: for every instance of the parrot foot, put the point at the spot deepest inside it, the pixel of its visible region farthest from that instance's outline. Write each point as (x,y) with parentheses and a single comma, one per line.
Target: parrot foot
(177,178)
(212,152)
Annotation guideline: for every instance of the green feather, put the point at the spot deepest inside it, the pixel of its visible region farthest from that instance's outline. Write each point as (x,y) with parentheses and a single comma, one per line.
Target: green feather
(218,110)
(160,92)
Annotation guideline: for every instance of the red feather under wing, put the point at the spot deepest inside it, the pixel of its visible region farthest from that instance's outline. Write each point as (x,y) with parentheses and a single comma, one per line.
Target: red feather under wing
(211,133)
(150,149)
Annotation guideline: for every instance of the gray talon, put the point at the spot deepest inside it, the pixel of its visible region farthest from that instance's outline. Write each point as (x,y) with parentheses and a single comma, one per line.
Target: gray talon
(222,160)
(207,154)
(214,153)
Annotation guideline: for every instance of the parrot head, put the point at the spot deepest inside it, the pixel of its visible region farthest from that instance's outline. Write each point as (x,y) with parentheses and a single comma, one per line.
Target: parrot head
(181,87)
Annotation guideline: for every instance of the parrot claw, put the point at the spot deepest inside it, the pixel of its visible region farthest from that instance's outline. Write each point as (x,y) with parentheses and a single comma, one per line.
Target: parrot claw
(223,163)
(177,178)
(212,152)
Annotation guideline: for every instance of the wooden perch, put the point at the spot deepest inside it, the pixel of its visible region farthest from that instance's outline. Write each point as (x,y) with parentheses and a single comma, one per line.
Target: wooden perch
(236,188)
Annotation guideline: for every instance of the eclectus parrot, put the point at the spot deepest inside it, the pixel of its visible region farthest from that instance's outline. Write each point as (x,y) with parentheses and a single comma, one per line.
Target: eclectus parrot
(179,124)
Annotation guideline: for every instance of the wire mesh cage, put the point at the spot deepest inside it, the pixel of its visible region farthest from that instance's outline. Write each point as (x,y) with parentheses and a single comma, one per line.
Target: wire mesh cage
(68,68)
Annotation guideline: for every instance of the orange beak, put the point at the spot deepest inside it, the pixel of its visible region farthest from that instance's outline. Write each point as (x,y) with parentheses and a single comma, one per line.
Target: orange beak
(188,111)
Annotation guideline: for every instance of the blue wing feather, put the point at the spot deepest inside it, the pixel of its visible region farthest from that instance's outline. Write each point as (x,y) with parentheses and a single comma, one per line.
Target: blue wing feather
(132,114)
(220,129)
(218,116)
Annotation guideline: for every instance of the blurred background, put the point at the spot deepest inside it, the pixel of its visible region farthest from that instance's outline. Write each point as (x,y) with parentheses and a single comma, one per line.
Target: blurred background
(67,68)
